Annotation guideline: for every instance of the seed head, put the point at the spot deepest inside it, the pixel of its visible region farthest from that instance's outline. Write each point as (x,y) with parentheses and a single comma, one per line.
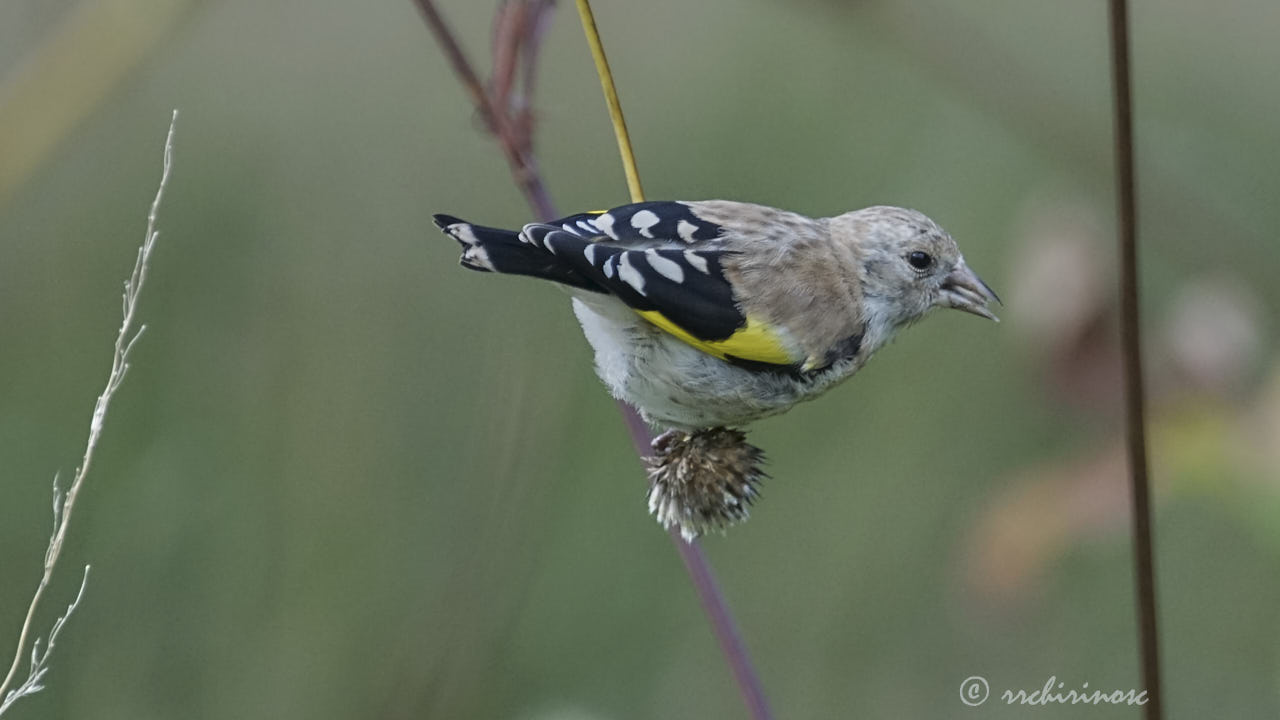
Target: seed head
(703,481)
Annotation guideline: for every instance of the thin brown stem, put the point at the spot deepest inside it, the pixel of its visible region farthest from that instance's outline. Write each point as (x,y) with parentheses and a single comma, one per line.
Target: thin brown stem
(523,168)
(1130,324)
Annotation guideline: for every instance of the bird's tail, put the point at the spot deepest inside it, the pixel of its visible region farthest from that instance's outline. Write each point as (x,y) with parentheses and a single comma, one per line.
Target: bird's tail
(502,251)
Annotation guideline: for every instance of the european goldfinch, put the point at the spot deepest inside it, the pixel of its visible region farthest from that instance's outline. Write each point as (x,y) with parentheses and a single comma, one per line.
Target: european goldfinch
(718,313)
(713,314)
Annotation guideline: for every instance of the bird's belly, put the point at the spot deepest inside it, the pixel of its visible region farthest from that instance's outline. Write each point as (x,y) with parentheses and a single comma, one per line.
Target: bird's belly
(675,385)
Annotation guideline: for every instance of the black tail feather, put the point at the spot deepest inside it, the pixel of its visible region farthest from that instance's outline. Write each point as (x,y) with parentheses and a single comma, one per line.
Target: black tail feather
(495,250)
(444,221)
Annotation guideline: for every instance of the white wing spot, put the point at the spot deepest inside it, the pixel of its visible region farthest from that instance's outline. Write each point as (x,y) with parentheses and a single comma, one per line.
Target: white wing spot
(666,267)
(608,266)
(477,255)
(605,223)
(585,226)
(686,230)
(643,221)
(696,261)
(463,233)
(590,252)
(630,275)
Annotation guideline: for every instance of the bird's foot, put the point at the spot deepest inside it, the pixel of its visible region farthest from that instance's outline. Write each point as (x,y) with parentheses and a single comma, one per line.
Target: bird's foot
(663,443)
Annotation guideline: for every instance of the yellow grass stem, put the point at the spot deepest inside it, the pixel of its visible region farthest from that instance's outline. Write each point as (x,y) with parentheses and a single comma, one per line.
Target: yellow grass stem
(611,99)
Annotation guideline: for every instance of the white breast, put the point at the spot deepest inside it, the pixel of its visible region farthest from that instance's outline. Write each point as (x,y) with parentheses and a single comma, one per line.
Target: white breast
(674,385)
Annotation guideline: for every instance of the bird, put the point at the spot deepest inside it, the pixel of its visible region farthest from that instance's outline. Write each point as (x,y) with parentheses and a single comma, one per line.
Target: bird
(708,315)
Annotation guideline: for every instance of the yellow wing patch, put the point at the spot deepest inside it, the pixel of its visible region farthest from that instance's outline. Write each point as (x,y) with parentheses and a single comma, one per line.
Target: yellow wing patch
(757,341)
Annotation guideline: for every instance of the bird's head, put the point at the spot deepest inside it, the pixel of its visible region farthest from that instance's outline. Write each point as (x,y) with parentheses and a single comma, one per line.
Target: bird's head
(909,266)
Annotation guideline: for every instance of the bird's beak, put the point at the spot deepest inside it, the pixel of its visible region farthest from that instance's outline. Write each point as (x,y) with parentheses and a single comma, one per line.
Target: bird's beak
(964,290)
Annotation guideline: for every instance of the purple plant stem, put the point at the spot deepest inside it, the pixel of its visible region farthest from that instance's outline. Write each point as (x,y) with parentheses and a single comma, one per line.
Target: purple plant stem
(704,582)
(525,172)
(523,168)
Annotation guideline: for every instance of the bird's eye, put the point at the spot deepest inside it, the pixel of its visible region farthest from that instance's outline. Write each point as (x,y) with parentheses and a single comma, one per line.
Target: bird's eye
(919,260)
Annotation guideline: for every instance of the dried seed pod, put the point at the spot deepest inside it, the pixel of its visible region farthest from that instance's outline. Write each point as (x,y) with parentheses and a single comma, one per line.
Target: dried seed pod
(703,481)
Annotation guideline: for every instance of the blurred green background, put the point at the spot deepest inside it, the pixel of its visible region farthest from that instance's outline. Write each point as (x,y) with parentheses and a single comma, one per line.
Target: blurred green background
(346,478)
